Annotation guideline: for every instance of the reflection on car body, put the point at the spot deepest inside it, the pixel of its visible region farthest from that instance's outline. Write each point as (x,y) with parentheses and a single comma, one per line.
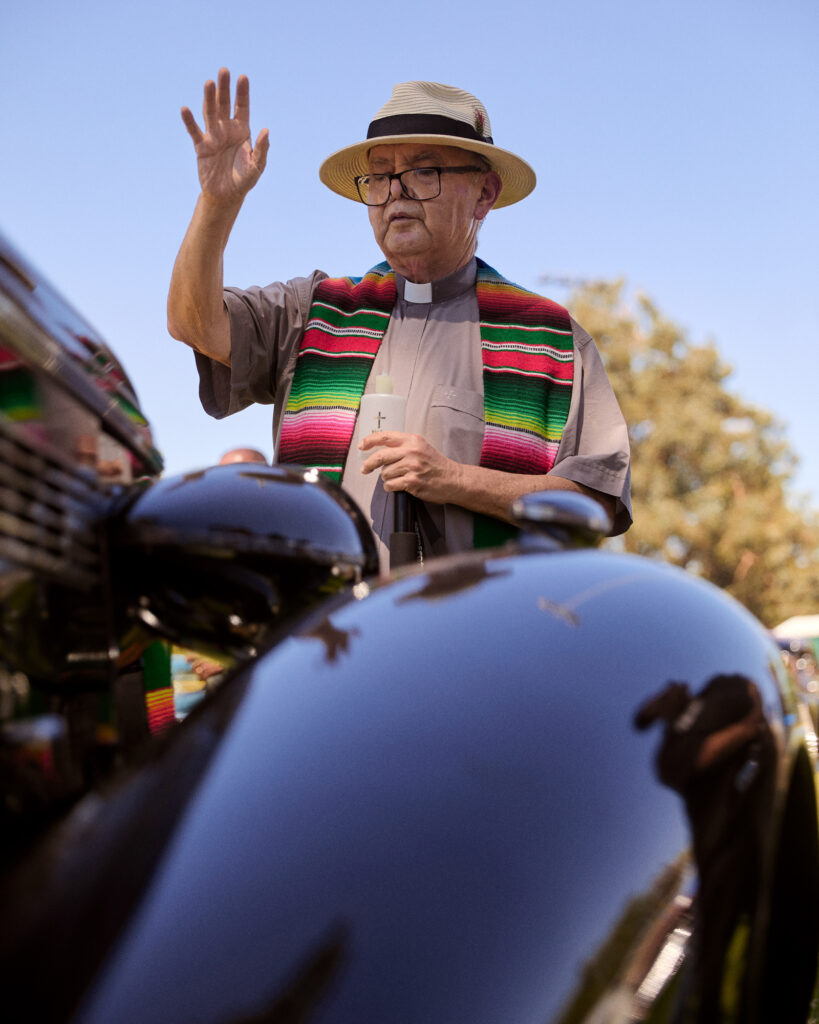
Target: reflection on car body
(503,786)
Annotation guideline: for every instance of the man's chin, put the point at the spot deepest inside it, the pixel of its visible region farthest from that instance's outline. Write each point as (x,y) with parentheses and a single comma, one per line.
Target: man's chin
(398,253)
(404,233)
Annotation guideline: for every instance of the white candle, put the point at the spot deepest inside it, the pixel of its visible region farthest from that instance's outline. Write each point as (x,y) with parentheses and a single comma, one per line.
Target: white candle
(380,410)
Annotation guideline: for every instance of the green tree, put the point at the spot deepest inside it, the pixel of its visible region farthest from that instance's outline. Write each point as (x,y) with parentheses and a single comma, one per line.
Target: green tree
(711,474)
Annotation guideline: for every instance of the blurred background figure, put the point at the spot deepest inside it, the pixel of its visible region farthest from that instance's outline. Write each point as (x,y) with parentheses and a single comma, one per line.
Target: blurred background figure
(242,455)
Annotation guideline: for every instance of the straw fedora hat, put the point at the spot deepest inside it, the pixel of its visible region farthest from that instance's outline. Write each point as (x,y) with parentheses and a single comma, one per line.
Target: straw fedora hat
(419,112)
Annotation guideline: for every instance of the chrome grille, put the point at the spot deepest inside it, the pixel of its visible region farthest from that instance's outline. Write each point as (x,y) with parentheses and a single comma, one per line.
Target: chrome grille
(48,508)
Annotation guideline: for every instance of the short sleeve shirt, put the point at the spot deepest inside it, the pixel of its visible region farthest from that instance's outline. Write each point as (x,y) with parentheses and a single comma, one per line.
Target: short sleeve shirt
(432,350)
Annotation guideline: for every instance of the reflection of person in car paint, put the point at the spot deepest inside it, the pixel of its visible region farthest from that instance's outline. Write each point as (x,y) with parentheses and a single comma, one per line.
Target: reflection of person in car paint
(194,675)
(718,753)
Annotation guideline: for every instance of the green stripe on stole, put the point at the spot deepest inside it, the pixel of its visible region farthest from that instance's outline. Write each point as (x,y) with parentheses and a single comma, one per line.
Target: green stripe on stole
(527,352)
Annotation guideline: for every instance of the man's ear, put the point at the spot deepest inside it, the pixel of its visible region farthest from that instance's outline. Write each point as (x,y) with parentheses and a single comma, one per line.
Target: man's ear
(490,191)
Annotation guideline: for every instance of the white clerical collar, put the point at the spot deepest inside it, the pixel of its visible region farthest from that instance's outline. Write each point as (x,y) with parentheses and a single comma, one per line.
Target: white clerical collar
(417,292)
(442,290)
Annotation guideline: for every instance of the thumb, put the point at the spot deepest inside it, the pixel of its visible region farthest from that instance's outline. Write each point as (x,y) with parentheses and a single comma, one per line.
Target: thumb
(260,149)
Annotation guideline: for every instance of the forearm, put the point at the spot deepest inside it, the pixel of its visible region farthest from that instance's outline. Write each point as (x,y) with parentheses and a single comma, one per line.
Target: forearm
(725,741)
(408,462)
(492,492)
(196,312)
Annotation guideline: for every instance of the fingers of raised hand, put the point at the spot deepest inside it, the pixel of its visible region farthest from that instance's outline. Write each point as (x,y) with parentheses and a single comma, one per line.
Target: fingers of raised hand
(242,108)
(223,94)
(216,107)
(194,130)
(209,115)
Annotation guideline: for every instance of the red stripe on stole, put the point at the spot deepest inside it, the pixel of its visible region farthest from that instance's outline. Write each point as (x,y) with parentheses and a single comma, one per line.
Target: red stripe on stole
(341,292)
(501,304)
(332,344)
(526,362)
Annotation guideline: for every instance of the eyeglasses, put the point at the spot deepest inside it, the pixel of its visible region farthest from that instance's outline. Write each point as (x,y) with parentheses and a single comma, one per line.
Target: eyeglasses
(419,183)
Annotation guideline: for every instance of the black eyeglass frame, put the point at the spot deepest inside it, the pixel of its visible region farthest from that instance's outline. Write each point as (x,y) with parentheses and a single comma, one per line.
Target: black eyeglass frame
(400,176)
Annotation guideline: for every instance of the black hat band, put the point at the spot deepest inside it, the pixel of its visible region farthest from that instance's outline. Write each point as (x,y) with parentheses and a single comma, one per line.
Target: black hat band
(424,124)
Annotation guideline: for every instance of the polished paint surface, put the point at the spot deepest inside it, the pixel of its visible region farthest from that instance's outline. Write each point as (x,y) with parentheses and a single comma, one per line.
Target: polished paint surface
(435,796)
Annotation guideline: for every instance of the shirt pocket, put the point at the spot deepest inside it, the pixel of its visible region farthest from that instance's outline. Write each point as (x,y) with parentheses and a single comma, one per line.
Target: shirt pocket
(456,422)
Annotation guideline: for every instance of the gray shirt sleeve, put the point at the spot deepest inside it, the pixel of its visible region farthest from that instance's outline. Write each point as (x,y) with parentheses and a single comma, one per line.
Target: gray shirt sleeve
(266,327)
(594,450)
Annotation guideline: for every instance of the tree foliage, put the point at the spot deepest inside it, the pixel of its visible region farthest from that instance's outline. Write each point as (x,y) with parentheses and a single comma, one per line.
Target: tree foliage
(711,474)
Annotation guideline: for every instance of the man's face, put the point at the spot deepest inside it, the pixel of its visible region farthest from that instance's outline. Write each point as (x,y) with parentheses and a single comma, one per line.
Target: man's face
(425,241)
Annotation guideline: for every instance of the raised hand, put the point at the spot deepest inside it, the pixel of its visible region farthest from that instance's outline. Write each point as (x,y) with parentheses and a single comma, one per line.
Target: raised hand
(229,166)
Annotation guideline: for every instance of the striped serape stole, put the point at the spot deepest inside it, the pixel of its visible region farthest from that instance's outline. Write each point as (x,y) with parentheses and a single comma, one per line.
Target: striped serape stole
(528,369)
(348,319)
(527,352)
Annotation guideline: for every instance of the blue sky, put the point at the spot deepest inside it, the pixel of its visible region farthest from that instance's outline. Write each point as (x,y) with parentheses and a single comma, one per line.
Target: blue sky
(676,145)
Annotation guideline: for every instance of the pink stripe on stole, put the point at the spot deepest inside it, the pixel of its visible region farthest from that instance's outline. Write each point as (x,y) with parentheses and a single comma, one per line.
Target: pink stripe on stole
(331,422)
(515,447)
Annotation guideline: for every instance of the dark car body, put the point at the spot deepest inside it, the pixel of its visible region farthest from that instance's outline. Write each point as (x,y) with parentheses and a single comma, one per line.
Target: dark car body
(536,785)
(99,558)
